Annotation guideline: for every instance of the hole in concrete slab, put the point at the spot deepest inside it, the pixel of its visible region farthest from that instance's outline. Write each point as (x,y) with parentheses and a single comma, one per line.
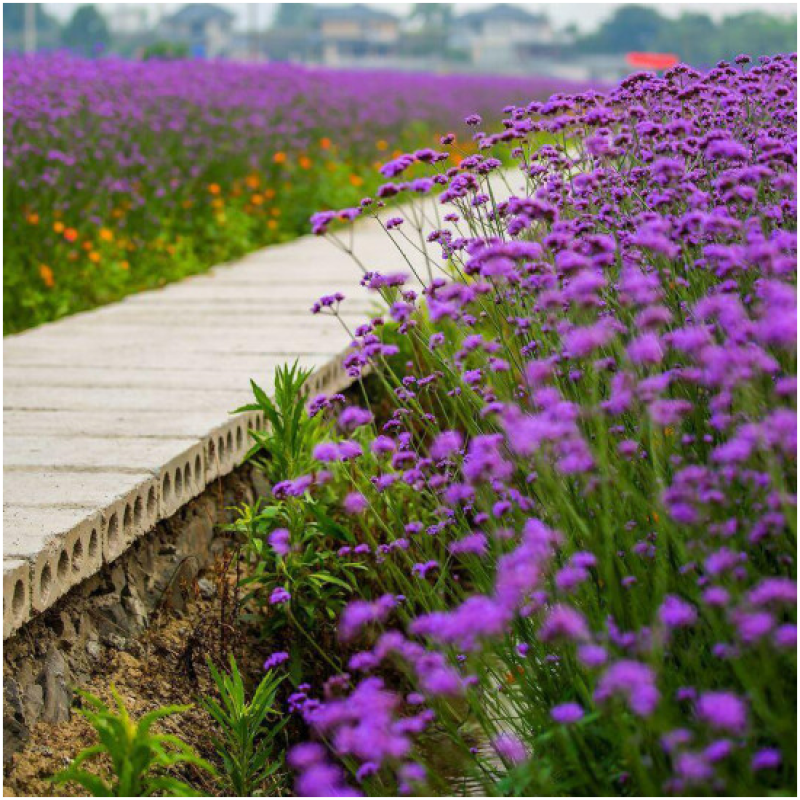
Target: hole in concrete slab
(151,502)
(178,484)
(212,451)
(138,510)
(239,438)
(187,476)
(229,440)
(127,520)
(77,554)
(63,565)
(166,487)
(93,544)
(198,467)
(18,600)
(221,448)
(45,583)
(113,529)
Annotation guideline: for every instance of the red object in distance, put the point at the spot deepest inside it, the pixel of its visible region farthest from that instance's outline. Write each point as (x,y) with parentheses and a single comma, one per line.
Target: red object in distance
(652,60)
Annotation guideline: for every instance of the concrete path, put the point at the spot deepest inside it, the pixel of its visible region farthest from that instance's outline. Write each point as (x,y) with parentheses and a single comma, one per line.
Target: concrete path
(117,417)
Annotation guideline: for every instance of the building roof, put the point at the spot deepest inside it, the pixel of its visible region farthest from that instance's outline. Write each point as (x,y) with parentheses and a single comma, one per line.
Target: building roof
(200,12)
(354,11)
(501,12)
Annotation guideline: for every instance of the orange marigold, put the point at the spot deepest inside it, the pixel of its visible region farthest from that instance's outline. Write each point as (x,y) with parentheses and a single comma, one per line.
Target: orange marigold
(382,144)
(94,257)
(213,188)
(279,158)
(304,162)
(71,235)
(106,235)
(47,276)
(356,180)
(58,227)
(325,143)
(33,219)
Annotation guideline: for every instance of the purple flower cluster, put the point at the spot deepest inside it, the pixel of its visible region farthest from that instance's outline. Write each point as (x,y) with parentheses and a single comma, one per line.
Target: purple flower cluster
(592,450)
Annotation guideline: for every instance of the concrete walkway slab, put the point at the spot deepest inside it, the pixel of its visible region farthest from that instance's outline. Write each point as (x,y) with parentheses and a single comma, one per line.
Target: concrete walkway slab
(116,417)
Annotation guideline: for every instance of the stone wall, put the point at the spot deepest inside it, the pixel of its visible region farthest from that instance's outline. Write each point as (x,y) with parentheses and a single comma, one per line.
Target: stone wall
(54,653)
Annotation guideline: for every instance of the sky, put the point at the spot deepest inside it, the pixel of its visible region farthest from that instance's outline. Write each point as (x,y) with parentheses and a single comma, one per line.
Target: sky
(587,16)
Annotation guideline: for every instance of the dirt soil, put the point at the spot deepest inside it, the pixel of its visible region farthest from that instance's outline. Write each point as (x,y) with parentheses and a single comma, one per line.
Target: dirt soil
(164,666)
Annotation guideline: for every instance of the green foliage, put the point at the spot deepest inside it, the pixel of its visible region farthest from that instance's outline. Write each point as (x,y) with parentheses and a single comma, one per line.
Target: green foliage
(246,743)
(318,581)
(87,32)
(284,449)
(165,50)
(631,27)
(139,758)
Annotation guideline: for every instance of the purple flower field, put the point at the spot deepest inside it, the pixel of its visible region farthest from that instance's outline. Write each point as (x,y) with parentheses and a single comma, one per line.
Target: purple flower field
(567,521)
(124,175)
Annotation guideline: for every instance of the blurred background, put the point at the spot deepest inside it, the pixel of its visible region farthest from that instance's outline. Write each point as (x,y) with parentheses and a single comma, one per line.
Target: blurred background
(599,42)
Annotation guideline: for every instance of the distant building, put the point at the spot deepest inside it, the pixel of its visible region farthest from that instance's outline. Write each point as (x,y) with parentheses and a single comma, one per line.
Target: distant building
(502,36)
(206,30)
(127,19)
(352,32)
(600,67)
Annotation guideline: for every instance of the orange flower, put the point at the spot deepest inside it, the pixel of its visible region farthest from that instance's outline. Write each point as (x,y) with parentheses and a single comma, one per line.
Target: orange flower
(275,212)
(305,162)
(272,225)
(118,213)
(87,246)
(71,235)
(256,199)
(213,188)
(47,276)
(94,257)
(279,158)
(252,181)
(382,144)
(269,193)
(125,265)
(218,202)
(33,219)
(325,143)
(356,180)
(106,235)
(58,227)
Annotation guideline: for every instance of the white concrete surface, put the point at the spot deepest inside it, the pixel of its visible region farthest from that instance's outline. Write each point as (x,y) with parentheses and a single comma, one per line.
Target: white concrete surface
(116,417)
